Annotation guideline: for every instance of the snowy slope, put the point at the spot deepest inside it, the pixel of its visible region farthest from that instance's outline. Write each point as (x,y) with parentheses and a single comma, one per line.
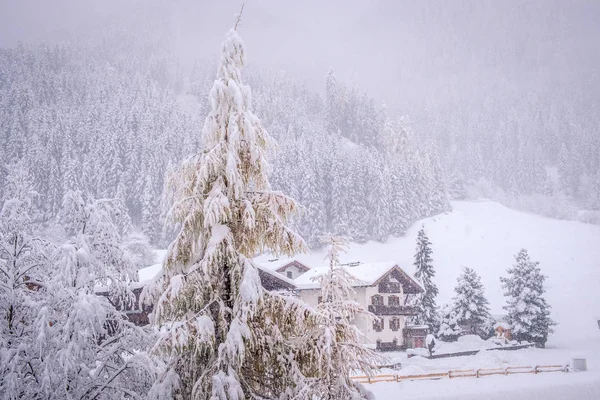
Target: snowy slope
(484,236)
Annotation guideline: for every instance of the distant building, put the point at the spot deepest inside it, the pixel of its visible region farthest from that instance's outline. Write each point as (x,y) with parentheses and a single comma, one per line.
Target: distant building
(291,269)
(383,289)
(502,331)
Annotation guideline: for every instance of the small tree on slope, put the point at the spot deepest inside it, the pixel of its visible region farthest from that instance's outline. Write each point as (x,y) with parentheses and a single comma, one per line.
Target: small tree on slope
(528,312)
(424,272)
(341,343)
(222,336)
(471,308)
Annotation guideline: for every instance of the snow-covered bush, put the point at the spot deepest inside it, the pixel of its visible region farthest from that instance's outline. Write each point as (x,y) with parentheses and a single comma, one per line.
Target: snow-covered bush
(85,343)
(24,264)
(61,339)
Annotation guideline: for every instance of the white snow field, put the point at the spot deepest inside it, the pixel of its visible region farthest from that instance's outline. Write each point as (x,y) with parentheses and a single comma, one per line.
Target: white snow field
(485,236)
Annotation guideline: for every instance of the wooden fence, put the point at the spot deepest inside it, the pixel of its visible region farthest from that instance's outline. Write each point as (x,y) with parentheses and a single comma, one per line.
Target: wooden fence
(465,373)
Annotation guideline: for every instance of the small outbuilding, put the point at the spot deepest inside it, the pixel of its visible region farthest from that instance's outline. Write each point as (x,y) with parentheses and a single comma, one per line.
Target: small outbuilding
(502,331)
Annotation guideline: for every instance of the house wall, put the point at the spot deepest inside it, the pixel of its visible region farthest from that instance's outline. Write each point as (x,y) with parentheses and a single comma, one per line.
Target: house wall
(386,335)
(363,297)
(296,272)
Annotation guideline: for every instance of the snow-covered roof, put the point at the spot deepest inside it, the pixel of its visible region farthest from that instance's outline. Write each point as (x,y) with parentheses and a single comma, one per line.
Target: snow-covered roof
(294,263)
(149,273)
(367,274)
(273,264)
(502,325)
(275,274)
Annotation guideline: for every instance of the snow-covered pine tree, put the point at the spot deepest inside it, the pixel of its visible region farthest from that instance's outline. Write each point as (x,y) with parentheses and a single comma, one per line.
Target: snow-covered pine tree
(528,312)
(448,330)
(24,262)
(150,212)
(340,342)
(471,307)
(424,272)
(86,348)
(379,200)
(222,336)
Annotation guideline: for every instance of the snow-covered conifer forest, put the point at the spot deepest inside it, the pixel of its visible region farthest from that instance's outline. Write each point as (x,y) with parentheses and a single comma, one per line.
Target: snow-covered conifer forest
(229,141)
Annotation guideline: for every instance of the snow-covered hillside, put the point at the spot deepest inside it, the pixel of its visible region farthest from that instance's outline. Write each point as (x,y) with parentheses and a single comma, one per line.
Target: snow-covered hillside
(484,236)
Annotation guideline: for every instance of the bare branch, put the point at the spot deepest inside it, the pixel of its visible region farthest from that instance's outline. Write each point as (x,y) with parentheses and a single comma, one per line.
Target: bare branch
(239,17)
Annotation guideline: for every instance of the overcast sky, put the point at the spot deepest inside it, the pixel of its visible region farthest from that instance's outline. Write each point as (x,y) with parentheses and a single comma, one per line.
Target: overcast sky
(401,52)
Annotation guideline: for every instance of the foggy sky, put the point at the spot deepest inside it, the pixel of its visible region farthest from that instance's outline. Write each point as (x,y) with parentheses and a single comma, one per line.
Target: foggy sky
(408,54)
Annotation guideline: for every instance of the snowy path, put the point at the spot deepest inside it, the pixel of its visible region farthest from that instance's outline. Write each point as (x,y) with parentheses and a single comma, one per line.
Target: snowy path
(551,386)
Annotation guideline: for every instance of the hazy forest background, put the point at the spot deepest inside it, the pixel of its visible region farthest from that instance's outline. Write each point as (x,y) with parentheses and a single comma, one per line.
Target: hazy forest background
(377,126)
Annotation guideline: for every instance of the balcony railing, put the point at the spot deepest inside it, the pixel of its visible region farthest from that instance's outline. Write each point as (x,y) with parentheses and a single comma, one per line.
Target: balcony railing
(392,310)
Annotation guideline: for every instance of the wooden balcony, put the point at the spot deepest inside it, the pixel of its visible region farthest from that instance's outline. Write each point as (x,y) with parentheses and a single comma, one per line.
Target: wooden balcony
(383,310)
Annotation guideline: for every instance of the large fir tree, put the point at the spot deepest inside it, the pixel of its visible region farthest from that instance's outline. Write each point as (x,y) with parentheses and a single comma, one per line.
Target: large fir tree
(528,312)
(223,337)
(424,272)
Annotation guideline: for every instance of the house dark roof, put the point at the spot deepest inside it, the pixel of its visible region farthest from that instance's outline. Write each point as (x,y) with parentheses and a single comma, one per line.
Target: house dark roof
(294,263)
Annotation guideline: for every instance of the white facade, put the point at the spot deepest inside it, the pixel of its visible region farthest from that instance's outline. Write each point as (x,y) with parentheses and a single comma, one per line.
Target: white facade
(364,296)
(291,271)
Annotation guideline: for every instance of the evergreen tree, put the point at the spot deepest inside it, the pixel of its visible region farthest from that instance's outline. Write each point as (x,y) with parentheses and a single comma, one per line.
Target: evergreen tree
(528,312)
(223,337)
(339,341)
(471,308)
(424,272)
(333,103)
(150,212)
(448,330)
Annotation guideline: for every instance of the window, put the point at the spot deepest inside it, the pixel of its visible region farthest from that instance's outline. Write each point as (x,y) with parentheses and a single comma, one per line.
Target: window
(393,301)
(377,300)
(395,324)
(289,274)
(378,324)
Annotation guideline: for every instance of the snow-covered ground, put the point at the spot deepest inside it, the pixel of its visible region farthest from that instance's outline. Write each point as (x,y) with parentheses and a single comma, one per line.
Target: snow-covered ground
(484,236)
